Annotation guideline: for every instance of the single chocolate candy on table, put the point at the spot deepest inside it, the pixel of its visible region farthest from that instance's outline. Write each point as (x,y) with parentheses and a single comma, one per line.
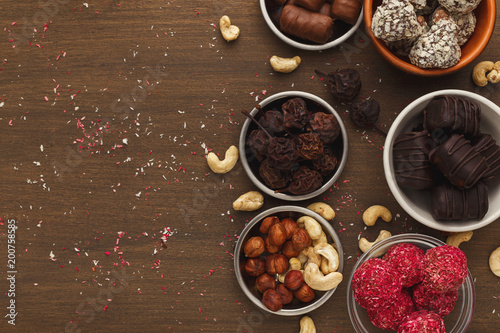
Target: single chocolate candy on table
(459,161)
(346,10)
(411,160)
(365,113)
(345,83)
(452,114)
(487,147)
(302,23)
(450,203)
(312,5)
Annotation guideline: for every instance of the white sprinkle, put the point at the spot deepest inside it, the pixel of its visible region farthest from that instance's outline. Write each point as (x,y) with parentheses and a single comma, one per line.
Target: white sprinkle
(41,148)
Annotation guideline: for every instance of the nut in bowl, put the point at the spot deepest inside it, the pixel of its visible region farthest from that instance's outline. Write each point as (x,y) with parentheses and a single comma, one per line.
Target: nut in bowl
(452,308)
(297,276)
(436,32)
(428,162)
(312,25)
(293,146)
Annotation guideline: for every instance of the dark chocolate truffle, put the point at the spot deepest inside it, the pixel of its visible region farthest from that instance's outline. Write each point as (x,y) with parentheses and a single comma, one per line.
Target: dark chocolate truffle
(312,5)
(487,147)
(411,160)
(452,115)
(451,203)
(345,84)
(302,23)
(459,161)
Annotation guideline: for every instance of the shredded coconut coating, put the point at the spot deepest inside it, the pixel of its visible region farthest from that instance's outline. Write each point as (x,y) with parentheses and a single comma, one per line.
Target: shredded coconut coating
(403,47)
(395,20)
(391,316)
(422,321)
(418,4)
(466,24)
(438,48)
(441,303)
(408,259)
(430,6)
(459,6)
(445,268)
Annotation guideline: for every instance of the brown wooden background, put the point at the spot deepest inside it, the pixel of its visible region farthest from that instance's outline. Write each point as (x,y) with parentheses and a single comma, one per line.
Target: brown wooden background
(160,74)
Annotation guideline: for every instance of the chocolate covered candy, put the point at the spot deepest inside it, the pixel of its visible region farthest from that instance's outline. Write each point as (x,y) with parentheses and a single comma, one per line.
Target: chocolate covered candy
(305,24)
(459,6)
(395,20)
(487,147)
(346,10)
(466,26)
(451,114)
(459,161)
(312,5)
(450,203)
(411,160)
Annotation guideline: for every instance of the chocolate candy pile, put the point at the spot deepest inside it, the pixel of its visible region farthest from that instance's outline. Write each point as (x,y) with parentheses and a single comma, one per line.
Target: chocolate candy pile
(317,21)
(451,157)
(429,32)
(410,290)
(294,145)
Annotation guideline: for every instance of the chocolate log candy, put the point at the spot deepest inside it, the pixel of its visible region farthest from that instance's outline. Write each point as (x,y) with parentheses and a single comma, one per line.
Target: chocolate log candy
(459,161)
(451,203)
(411,160)
(312,5)
(326,9)
(301,23)
(452,114)
(346,10)
(487,147)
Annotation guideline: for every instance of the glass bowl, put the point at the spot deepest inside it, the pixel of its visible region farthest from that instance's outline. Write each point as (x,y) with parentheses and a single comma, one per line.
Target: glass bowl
(456,322)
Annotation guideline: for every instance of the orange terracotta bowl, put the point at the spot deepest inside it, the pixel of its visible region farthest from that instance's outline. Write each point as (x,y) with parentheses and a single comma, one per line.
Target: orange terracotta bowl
(485,14)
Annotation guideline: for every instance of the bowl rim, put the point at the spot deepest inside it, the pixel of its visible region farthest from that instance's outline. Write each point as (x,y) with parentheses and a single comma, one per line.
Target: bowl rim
(308,47)
(412,69)
(239,246)
(284,196)
(389,166)
(421,239)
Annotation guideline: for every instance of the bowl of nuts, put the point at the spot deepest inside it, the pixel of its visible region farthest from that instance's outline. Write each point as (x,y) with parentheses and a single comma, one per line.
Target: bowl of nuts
(312,24)
(293,145)
(442,160)
(298,275)
(411,283)
(427,37)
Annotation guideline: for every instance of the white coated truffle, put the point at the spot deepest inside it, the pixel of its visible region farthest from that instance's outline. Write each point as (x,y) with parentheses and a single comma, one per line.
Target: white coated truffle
(395,20)
(459,6)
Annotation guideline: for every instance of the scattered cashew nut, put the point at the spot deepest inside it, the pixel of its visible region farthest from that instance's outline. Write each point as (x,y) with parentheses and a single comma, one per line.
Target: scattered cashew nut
(321,239)
(371,215)
(294,264)
(307,325)
(227,164)
(318,281)
(229,32)
(365,245)
(312,256)
(494,75)
(249,201)
(284,65)
(312,226)
(323,209)
(495,262)
(459,237)
(332,256)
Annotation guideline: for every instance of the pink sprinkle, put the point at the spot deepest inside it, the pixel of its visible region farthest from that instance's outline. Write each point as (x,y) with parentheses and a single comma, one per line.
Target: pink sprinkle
(46,98)
(107,253)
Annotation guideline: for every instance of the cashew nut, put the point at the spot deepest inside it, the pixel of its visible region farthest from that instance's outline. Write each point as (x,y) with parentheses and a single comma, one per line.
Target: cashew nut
(249,201)
(295,264)
(226,164)
(479,72)
(312,256)
(371,215)
(332,256)
(495,262)
(365,245)
(323,209)
(317,281)
(229,32)
(307,325)
(459,237)
(321,239)
(312,226)
(494,75)
(284,65)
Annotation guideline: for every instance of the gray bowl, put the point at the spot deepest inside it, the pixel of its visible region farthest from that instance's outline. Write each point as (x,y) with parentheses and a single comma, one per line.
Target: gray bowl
(253,172)
(247,283)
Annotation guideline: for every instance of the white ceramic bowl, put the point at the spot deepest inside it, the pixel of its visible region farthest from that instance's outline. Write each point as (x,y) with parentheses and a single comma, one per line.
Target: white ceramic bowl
(310,46)
(417,202)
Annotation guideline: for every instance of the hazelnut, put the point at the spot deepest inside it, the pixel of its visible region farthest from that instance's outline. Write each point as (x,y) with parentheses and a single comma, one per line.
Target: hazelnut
(271,248)
(301,239)
(255,266)
(264,282)
(294,280)
(285,293)
(272,300)
(267,223)
(288,250)
(276,264)
(304,293)
(290,226)
(254,247)
(277,234)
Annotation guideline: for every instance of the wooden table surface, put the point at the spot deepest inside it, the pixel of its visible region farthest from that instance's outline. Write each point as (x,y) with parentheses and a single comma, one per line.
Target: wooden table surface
(107,109)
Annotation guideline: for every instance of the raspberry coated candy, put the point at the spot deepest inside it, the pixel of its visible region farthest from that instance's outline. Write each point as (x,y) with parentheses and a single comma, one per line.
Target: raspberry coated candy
(422,321)
(375,283)
(441,303)
(445,268)
(408,259)
(390,316)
